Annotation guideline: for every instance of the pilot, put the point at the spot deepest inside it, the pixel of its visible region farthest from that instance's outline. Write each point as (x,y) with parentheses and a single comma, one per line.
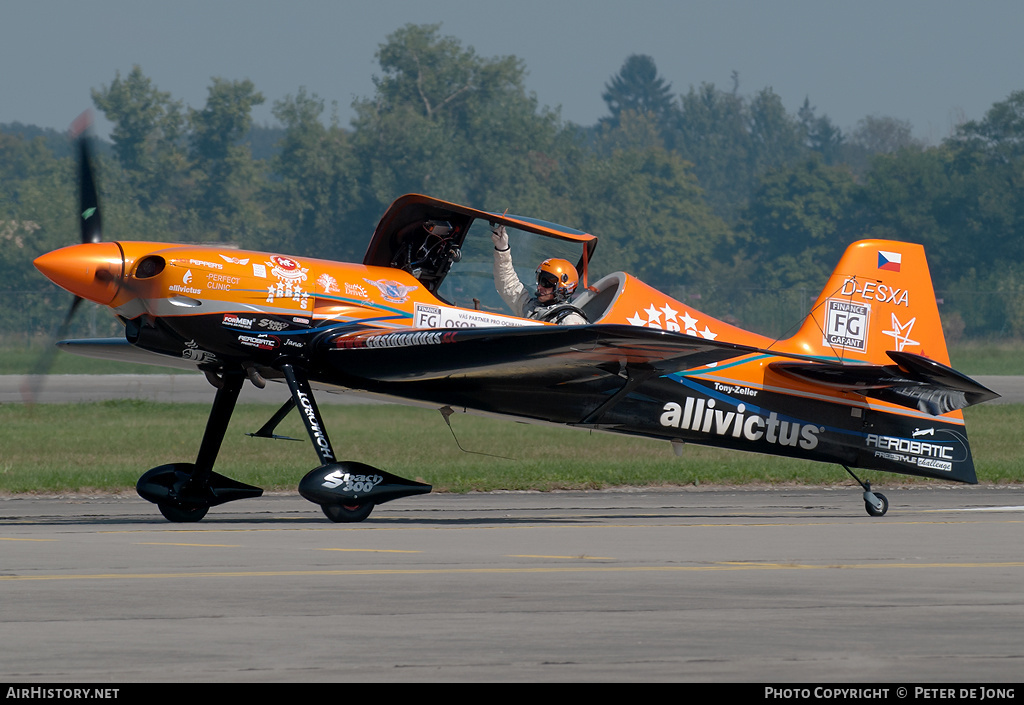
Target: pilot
(556,282)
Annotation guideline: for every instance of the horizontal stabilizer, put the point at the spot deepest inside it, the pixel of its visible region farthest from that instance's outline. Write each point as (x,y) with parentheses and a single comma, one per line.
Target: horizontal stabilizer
(915,382)
(121,350)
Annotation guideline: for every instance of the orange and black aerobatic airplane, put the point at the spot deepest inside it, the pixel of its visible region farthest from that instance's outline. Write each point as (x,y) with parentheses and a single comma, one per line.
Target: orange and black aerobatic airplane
(864,383)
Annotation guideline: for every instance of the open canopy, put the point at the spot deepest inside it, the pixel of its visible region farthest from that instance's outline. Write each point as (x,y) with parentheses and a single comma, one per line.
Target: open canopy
(431,239)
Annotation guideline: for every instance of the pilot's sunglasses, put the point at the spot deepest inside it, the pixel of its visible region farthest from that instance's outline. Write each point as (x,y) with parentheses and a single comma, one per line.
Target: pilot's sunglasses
(547,281)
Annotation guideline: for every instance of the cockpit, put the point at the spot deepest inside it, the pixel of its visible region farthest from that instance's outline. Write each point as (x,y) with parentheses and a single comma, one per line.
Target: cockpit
(448,248)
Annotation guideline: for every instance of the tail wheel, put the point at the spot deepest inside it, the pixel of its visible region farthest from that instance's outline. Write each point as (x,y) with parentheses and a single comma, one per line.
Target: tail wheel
(346,513)
(178,514)
(875,511)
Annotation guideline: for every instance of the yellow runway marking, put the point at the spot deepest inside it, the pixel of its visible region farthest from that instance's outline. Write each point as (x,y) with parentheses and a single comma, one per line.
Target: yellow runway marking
(199,545)
(367,550)
(4,538)
(501,571)
(803,566)
(570,558)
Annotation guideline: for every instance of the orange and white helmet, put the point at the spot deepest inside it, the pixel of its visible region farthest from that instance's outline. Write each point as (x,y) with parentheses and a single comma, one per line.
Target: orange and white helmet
(560,275)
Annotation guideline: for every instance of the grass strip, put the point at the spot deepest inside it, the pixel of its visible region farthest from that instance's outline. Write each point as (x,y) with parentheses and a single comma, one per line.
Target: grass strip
(106,446)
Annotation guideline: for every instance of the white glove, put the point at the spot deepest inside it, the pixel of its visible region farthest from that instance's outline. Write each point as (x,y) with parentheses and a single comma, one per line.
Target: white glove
(500,238)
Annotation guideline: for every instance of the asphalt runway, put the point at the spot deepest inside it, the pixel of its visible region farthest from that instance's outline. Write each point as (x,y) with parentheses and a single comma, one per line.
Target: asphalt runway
(178,388)
(194,388)
(739,585)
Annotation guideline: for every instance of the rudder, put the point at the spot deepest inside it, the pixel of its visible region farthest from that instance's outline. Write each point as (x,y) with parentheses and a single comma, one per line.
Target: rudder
(878,298)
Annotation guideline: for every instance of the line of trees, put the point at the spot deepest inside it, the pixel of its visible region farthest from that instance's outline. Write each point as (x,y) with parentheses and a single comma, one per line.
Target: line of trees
(723,199)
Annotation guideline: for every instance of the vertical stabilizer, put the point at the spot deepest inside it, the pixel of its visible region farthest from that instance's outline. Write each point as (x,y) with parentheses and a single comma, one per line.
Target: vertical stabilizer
(879,298)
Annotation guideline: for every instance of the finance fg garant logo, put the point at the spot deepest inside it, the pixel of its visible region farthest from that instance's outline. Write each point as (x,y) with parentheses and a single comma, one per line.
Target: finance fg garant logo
(846,325)
(702,417)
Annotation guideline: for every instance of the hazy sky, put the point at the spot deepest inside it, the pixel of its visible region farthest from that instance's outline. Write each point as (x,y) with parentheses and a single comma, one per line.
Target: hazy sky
(931,62)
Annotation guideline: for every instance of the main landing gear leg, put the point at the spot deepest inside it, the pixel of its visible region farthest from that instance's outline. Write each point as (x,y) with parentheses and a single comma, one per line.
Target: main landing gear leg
(874,502)
(184,492)
(345,491)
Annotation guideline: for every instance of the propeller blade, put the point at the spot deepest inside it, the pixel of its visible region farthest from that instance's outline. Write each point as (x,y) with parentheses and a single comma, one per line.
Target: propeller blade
(33,383)
(88,200)
(91,231)
(89,204)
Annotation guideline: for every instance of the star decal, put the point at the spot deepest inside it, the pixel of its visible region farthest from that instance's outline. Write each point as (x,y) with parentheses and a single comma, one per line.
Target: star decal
(672,321)
(900,333)
(637,319)
(653,316)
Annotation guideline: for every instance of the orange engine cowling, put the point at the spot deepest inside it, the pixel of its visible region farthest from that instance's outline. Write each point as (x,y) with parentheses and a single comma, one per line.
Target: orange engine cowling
(92,270)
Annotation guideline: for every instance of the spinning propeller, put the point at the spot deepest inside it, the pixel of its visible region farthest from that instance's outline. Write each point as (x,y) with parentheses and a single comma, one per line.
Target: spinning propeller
(90,232)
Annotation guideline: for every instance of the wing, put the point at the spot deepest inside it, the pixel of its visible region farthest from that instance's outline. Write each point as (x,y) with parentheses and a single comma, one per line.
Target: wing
(542,354)
(562,374)
(574,374)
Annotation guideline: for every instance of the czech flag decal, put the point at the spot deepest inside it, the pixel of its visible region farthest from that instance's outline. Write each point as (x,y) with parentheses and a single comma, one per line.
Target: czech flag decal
(889,261)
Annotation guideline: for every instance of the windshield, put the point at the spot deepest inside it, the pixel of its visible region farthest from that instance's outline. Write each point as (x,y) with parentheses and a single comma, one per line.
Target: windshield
(470,282)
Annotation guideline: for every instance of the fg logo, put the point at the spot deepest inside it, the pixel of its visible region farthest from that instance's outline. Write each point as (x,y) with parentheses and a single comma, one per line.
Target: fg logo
(846,325)
(428,317)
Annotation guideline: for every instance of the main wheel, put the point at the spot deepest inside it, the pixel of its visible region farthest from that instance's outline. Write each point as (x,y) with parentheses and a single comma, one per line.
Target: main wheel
(345,513)
(873,510)
(176,514)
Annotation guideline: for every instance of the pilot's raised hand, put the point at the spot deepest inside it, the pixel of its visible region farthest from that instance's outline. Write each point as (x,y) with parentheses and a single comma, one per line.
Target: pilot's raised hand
(500,238)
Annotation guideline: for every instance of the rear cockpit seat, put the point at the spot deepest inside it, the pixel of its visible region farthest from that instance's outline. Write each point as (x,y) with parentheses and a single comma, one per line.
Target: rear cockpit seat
(599,298)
